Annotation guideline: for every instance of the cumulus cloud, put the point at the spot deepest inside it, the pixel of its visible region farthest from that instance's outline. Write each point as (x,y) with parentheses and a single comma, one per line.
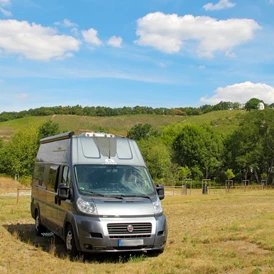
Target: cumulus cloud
(241,92)
(222,4)
(34,41)
(90,36)
(115,41)
(171,33)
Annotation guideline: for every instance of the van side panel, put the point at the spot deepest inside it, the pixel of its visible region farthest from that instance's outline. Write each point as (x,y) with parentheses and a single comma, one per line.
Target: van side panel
(50,157)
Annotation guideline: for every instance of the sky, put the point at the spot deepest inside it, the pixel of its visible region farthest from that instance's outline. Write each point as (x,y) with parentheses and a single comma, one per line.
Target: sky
(115,53)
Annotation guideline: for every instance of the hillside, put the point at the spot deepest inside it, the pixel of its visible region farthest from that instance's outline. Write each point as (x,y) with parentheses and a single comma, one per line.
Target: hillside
(224,121)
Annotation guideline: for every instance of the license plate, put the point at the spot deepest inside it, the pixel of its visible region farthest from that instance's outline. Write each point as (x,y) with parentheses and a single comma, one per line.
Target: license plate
(130,242)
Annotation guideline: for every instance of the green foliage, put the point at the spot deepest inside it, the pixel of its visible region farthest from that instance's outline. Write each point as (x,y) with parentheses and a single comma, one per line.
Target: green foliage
(170,132)
(157,158)
(184,172)
(229,174)
(101,111)
(252,104)
(17,156)
(47,129)
(250,149)
(199,146)
(25,180)
(139,132)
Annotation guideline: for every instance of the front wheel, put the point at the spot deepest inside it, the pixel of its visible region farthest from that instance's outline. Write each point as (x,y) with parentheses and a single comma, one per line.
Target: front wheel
(70,243)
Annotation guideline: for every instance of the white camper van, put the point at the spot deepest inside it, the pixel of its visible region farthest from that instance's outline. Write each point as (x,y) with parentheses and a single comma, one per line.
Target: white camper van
(95,192)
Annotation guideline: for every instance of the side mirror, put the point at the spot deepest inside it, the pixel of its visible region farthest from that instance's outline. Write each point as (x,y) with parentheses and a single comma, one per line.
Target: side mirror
(161,191)
(63,191)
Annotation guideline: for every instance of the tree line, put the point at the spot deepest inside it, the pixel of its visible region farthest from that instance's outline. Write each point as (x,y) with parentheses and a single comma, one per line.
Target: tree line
(176,152)
(101,111)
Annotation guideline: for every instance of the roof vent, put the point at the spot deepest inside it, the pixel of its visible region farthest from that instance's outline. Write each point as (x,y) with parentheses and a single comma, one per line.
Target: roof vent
(97,134)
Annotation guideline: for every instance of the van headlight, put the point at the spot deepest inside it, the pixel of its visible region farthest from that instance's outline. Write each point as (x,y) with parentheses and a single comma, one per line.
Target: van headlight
(86,207)
(157,207)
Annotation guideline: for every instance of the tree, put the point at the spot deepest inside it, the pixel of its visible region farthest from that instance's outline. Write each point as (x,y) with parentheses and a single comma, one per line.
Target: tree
(198,146)
(169,133)
(47,129)
(139,132)
(184,172)
(252,104)
(157,157)
(229,174)
(18,155)
(250,149)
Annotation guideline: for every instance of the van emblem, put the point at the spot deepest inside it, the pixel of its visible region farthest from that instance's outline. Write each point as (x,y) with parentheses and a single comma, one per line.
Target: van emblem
(130,228)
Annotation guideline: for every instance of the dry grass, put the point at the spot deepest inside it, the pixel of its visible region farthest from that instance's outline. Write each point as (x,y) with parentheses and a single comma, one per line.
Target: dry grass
(215,233)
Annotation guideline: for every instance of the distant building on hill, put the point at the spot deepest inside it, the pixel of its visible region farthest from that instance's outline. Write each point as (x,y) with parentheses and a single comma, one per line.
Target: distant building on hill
(260,106)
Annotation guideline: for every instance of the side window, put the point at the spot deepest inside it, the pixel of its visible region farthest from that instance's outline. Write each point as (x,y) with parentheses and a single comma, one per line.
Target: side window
(53,178)
(65,179)
(38,175)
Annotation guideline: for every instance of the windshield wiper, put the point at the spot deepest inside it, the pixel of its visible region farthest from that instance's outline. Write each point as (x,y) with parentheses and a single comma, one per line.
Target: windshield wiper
(94,193)
(138,196)
(106,196)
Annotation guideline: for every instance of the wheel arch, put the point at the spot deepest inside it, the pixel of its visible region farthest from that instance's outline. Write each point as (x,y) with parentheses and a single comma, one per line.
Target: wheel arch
(70,220)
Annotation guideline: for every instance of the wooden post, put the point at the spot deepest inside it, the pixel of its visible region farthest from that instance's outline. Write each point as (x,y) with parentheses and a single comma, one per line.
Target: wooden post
(17,196)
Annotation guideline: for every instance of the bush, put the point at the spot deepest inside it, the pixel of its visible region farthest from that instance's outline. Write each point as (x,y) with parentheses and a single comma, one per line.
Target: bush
(25,180)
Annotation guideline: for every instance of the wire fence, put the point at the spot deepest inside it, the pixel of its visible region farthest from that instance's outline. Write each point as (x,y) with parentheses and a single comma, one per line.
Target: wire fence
(210,190)
(15,193)
(185,189)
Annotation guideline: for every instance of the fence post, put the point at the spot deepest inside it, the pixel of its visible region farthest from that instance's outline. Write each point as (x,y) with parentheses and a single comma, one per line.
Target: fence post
(17,201)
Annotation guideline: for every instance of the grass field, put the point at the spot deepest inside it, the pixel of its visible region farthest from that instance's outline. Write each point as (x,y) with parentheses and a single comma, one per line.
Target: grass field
(223,121)
(215,233)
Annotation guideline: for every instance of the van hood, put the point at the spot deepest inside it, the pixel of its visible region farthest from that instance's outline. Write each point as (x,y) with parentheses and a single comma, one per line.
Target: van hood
(124,207)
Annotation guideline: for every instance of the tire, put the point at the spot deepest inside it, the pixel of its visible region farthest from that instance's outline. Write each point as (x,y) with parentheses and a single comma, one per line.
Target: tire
(39,228)
(70,243)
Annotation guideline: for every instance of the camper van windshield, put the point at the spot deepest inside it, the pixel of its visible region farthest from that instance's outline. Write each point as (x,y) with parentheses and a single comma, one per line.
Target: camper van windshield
(114,180)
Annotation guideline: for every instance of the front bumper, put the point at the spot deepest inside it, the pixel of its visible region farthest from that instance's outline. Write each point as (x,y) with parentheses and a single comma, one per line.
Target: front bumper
(102,235)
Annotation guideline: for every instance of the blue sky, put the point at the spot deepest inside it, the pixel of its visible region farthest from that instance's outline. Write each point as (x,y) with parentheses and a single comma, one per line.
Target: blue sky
(115,53)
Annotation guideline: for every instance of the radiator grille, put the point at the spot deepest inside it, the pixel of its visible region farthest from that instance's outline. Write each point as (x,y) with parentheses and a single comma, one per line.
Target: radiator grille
(122,228)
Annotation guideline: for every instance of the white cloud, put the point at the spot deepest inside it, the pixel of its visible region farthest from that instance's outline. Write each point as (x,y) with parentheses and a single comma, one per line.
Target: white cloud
(271,1)
(34,41)
(115,41)
(90,36)
(241,93)
(66,23)
(4,3)
(170,33)
(22,96)
(5,12)
(222,4)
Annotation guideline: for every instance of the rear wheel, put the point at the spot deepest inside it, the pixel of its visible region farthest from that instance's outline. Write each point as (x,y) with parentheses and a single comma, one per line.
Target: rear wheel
(39,228)
(70,243)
